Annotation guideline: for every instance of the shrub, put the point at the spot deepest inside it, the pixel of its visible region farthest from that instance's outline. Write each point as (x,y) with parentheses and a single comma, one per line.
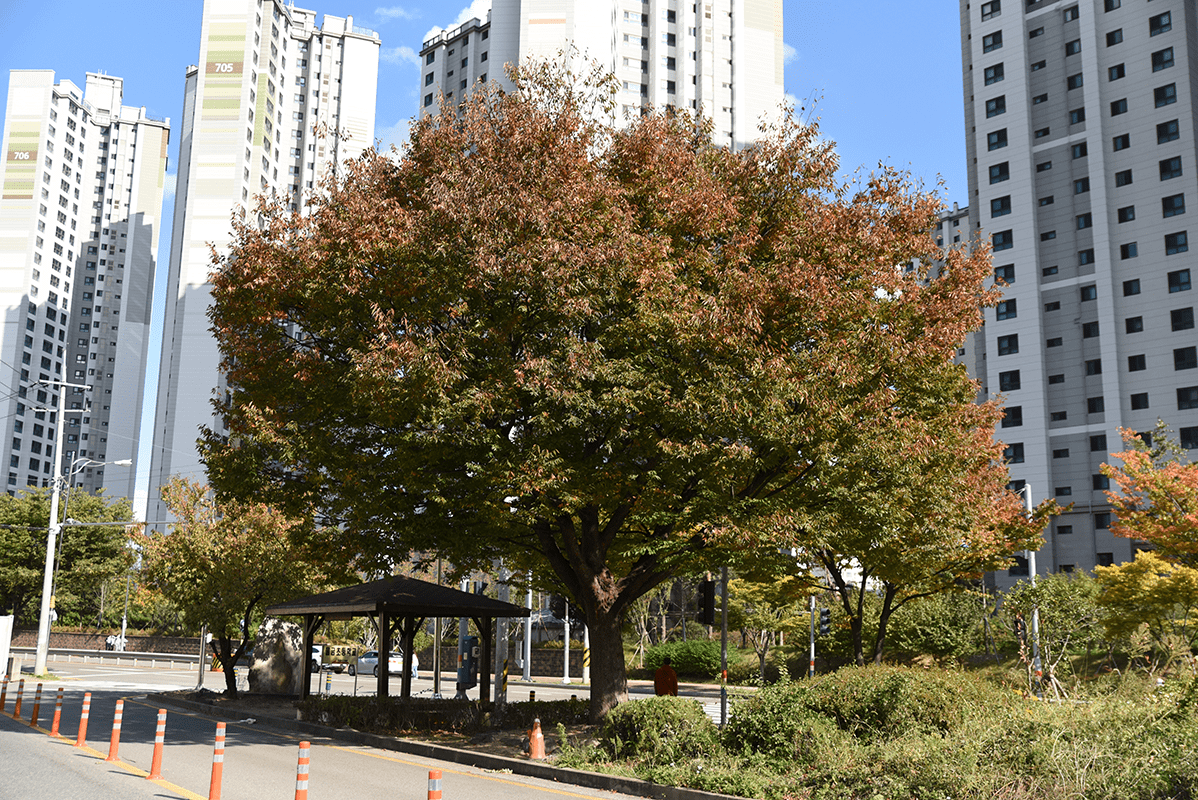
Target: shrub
(391,714)
(659,729)
(700,658)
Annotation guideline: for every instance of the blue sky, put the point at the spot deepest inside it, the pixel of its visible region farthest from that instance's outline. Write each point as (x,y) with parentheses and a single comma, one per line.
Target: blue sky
(886,76)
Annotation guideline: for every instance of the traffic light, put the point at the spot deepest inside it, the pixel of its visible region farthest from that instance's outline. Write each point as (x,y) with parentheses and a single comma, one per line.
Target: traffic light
(825,621)
(707,603)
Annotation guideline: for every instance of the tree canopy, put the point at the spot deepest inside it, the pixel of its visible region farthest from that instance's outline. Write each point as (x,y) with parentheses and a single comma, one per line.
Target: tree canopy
(86,555)
(222,563)
(1155,497)
(610,354)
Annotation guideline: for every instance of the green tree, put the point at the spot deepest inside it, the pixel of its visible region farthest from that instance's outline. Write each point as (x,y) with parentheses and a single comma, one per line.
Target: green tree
(763,609)
(1152,594)
(86,555)
(223,563)
(612,355)
(1069,617)
(1155,497)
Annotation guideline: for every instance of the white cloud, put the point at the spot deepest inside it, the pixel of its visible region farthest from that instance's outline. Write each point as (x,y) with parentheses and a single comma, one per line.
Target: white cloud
(399,55)
(789,54)
(395,12)
(170,181)
(395,134)
(477,9)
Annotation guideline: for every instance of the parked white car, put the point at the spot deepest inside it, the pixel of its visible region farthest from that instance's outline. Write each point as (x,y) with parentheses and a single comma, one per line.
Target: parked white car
(368,662)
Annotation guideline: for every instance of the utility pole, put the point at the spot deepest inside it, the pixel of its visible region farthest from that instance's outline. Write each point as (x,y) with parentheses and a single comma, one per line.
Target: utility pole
(1031,563)
(724,647)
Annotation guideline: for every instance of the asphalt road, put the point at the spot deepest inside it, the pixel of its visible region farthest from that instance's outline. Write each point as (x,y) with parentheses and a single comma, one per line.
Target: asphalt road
(260,763)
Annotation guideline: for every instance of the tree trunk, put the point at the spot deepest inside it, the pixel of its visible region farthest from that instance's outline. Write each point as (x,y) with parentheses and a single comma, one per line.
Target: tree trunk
(609,683)
(888,609)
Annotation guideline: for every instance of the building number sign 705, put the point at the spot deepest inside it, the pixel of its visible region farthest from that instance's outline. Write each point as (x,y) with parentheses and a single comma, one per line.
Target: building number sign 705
(224,66)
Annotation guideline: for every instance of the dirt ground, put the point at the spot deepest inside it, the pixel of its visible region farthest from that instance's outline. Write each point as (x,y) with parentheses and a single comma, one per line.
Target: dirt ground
(509,743)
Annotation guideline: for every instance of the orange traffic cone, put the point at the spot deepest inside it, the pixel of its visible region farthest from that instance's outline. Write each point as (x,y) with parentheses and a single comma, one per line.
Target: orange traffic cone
(536,742)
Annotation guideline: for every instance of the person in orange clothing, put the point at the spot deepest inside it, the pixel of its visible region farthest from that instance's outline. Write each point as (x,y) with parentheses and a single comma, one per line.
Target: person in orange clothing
(665,680)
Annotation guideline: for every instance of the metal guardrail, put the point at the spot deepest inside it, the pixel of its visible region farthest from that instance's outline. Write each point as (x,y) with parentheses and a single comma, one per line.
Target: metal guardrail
(130,658)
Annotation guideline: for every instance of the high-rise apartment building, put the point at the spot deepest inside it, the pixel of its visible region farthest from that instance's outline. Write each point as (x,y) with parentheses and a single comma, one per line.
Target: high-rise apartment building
(721,57)
(79,224)
(275,102)
(1080,131)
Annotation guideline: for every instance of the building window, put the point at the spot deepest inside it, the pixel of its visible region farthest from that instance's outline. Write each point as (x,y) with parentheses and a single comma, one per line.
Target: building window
(991,9)
(1077,116)
(1133,324)
(1084,221)
(1005,273)
(1118,107)
(1131,287)
(1054,379)
(1055,305)
(1111,5)
(1165,95)
(1041,133)
(1046,201)
(428,79)
(1159,24)
(1000,206)
(1090,330)
(993,74)
(1181,319)
(1019,568)
(1061,453)
(1071,14)
(1162,59)
(1008,381)
(992,42)
(1173,205)
(1095,405)
(1063,491)
(1073,81)
(1188,438)
(1123,177)
(1048,236)
(1012,416)
(1137,363)
(996,106)
(1080,150)
(1008,345)
(1121,142)
(1179,281)
(1002,240)
(1102,520)
(1128,250)
(1094,366)
(1089,293)
(1187,398)
(997,139)
(1116,72)
(1126,214)
(1005,310)
(1040,98)
(428,100)
(1039,65)
(1085,256)
(1139,402)
(1014,453)
(1114,37)
(1081,186)
(1000,172)
(1073,48)
(1034,32)
(1167,131)
(1056,341)
(431,57)
(1044,166)
(1176,243)
(1185,358)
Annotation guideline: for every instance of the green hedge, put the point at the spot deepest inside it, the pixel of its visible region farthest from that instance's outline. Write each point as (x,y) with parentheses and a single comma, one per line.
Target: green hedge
(391,715)
(660,729)
(697,659)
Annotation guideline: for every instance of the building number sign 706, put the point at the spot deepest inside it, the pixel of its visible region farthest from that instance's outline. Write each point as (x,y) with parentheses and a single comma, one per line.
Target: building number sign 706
(20,155)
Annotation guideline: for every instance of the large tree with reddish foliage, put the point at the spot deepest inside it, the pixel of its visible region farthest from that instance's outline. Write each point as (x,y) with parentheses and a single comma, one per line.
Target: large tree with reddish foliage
(607,354)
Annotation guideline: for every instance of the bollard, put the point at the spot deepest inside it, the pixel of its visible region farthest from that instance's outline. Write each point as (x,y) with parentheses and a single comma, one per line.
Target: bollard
(573,698)
(328,683)
(532,695)
(301,772)
(16,709)
(57,713)
(159,738)
(3,694)
(87,704)
(37,707)
(115,744)
(536,742)
(218,762)
(434,784)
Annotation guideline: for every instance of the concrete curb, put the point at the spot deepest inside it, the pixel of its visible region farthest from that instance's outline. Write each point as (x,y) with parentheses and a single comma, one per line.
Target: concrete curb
(469,758)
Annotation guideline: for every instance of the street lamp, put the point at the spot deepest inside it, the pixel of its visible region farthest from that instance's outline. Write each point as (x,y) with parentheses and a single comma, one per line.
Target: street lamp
(1026,491)
(43,626)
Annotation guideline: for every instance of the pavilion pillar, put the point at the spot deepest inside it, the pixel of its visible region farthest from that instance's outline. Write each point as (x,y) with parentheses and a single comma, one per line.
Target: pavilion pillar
(384,651)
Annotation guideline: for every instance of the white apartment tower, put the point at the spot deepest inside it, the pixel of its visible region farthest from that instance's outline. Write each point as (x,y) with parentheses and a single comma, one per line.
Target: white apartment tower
(79,224)
(721,57)
(1080,127)
(274,104)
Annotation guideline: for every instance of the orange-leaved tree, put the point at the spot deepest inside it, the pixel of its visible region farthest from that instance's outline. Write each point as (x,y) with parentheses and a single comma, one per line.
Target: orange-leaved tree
(1155,497)
(608,353)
